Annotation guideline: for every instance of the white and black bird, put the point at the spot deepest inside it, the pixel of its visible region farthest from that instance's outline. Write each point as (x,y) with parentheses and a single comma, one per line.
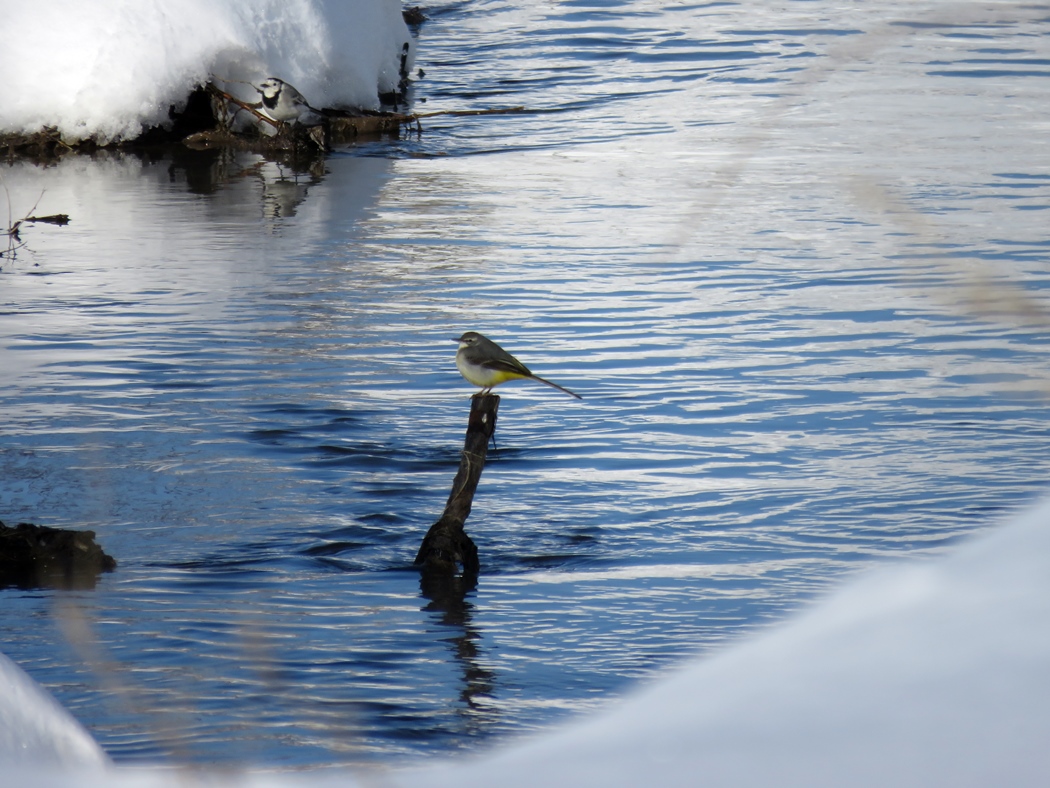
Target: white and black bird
(283,102)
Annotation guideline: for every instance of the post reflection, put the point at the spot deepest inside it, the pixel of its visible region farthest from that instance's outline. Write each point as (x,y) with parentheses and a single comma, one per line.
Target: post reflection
(447,597)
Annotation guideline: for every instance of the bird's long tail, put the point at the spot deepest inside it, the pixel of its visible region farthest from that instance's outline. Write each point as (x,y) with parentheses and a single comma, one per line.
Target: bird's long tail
(555,385)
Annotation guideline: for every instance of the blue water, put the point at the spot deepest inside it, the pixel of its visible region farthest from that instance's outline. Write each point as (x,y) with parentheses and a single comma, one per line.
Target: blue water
(794,260)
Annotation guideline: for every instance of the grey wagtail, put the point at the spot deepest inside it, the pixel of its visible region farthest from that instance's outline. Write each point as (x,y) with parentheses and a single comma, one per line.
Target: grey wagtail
(484,363)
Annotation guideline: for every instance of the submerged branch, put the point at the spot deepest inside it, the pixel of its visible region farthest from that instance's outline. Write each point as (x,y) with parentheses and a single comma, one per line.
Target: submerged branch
(466,112)
(61,219)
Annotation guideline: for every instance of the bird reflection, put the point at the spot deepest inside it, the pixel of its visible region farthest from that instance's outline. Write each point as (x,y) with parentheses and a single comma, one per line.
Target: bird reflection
(447,595)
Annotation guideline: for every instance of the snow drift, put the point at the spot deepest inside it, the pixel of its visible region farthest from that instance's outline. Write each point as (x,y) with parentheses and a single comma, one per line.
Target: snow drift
(111,68)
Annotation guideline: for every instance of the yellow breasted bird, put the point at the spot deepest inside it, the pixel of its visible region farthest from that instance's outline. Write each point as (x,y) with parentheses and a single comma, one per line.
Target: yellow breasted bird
(484,363)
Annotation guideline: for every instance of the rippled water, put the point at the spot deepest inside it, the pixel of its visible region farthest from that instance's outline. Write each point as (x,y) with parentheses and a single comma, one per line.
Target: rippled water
(753,239)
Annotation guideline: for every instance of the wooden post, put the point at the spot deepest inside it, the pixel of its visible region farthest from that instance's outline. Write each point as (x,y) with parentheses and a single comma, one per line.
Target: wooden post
(446,543)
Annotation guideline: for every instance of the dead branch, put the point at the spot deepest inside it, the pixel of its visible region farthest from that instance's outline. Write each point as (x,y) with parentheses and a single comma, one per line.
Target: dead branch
(61,219)
(446,544)
(252,108)
(458,113)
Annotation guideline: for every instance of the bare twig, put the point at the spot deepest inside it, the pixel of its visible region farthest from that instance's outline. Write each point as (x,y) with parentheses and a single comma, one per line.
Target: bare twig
(217,91)
(227,79)
(460,113)
(14,240)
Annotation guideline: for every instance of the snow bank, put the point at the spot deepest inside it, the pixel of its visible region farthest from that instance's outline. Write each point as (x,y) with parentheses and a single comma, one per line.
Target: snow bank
(36,731)
(109,68)
(917,675)
(921,674)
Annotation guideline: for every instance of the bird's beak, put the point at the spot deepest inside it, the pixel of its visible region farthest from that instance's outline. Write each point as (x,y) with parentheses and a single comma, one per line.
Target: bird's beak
(455,339)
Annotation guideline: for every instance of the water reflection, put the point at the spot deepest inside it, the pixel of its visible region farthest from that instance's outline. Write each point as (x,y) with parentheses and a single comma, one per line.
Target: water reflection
(285,180)
(237,372)
(448,596)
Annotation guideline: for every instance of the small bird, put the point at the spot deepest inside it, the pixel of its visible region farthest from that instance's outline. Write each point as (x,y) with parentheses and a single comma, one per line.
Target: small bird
(283,102)
(484,363)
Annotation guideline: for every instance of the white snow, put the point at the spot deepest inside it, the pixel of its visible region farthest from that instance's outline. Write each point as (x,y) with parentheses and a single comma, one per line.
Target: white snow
(36,731)
(109,68)
(919,674)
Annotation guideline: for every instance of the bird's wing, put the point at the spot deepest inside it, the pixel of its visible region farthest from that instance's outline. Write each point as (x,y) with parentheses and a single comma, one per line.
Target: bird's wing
(509,364)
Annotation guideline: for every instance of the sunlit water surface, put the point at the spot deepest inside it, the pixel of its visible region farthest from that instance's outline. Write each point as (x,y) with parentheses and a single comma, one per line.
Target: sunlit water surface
(750,238)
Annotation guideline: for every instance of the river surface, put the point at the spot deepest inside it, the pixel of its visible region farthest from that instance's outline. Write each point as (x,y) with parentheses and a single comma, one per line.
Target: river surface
(793,256)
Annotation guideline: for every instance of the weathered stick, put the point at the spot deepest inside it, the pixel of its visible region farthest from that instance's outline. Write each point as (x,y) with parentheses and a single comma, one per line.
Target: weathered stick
(60,219)
(463,113)
(396,116)
(446,543)
(252,108)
